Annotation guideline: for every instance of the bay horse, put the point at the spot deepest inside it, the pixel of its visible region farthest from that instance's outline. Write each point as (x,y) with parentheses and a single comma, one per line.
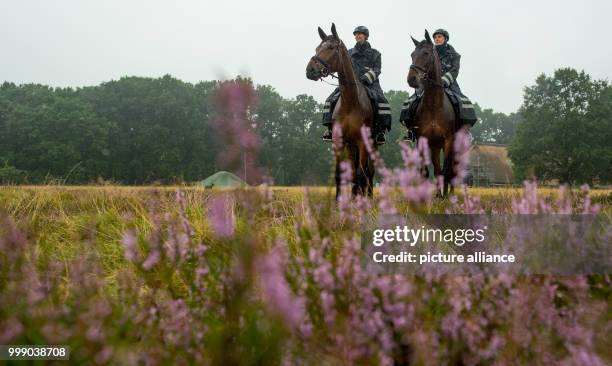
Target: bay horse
(352,111)
(435,115)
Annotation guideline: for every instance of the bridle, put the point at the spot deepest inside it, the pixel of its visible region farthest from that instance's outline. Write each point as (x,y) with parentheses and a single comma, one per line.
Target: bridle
(423,74)
(325,68)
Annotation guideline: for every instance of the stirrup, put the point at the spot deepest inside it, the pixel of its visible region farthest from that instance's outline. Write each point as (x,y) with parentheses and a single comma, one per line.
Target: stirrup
(327,136)
(410,136)
(380,138)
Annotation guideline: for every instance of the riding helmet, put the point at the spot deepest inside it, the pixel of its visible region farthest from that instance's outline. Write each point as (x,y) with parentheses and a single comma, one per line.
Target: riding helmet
(362,29)
(442,32)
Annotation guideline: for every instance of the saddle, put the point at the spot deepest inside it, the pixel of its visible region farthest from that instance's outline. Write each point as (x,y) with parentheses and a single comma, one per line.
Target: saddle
(462,107)
(454,99)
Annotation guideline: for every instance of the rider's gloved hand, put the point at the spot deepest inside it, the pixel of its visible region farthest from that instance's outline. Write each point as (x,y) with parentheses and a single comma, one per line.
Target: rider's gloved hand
(365,79)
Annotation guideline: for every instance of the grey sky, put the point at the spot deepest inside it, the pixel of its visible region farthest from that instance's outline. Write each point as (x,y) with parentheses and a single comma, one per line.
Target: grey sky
(504,45)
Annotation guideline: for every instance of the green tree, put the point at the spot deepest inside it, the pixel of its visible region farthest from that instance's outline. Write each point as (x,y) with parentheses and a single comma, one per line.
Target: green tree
(51,134)
(390,151)
(161,128)
(494,127)
(565,129)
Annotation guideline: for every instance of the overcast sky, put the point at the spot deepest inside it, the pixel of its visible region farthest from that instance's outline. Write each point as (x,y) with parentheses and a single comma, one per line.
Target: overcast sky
(504,44)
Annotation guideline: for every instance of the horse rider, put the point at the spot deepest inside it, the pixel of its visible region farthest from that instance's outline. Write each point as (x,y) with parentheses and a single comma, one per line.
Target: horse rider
(366,64)
(449,62)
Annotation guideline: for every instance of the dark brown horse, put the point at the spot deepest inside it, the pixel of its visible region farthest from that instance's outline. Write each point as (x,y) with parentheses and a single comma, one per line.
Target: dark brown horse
(352,111)
(435,116)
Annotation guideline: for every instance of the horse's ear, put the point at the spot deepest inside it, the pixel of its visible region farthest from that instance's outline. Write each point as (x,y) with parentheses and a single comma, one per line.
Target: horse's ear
(322,34)
(427,37)
(334,33)
(416,43)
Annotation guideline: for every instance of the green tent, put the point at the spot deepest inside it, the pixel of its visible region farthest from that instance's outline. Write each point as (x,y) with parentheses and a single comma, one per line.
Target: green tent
(223,179)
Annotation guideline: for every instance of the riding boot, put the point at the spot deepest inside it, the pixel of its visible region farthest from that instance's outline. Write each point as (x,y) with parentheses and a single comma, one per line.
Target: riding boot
(328,134)
(410,134)
(380,138)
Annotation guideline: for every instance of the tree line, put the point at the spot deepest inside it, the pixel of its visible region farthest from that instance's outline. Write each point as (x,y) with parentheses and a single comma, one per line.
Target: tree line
(139,130)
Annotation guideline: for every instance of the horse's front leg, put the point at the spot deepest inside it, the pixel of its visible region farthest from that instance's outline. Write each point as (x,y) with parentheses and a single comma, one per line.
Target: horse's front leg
(366,171)
(449,169)
(435,159)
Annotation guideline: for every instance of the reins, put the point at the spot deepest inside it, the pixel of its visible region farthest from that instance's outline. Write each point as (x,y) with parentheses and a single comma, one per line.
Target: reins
(325,68)
(423,74)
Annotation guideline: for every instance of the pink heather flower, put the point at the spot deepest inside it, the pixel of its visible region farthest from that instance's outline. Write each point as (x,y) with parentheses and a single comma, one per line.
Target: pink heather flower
(152,259)
(423,147)
(277,294)
(13,241)
(234,102)
(328,302)
(265,191)
(95,333)
(200,275)
(322,273)
(176,246)
(415,188)
(386,203)
(366,135)
(130,246)
(388,179)
(9,330)
(176,322)
(221,216)
(439,183)
(582,356)
(56,332)
(530,203)
(564,204)
(180,198)
(587,207)
(411,157)
(104,355)
(363,204)
(337,138)
(346,185)
(346,169)
(461,147)
(200,250)
(470,205)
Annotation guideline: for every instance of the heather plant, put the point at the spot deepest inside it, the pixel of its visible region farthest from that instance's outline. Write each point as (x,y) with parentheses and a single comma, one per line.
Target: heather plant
(269,275)
(238,277)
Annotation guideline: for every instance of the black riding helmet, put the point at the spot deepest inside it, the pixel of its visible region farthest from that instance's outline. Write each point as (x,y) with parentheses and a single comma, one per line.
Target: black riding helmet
(442,32)
(362,29)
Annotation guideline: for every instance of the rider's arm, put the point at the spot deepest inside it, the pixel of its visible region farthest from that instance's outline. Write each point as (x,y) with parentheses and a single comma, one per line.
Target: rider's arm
(451,75)
(374,70)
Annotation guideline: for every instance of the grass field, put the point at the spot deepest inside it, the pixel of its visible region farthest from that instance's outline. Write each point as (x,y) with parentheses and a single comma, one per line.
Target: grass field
(128,275)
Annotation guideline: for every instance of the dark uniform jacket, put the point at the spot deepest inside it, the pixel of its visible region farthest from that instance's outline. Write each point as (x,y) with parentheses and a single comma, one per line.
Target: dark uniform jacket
(449,60)
(366,63)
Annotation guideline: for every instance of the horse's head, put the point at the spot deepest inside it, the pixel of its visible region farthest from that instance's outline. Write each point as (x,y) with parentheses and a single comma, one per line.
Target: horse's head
(423,61)
(327,57)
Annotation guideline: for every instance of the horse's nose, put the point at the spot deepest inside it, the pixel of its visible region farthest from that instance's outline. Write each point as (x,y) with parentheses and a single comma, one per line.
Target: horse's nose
(312,73)
(412,80)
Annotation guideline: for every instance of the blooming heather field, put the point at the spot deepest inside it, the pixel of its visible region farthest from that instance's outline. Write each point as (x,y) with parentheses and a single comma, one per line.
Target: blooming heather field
(267,276)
